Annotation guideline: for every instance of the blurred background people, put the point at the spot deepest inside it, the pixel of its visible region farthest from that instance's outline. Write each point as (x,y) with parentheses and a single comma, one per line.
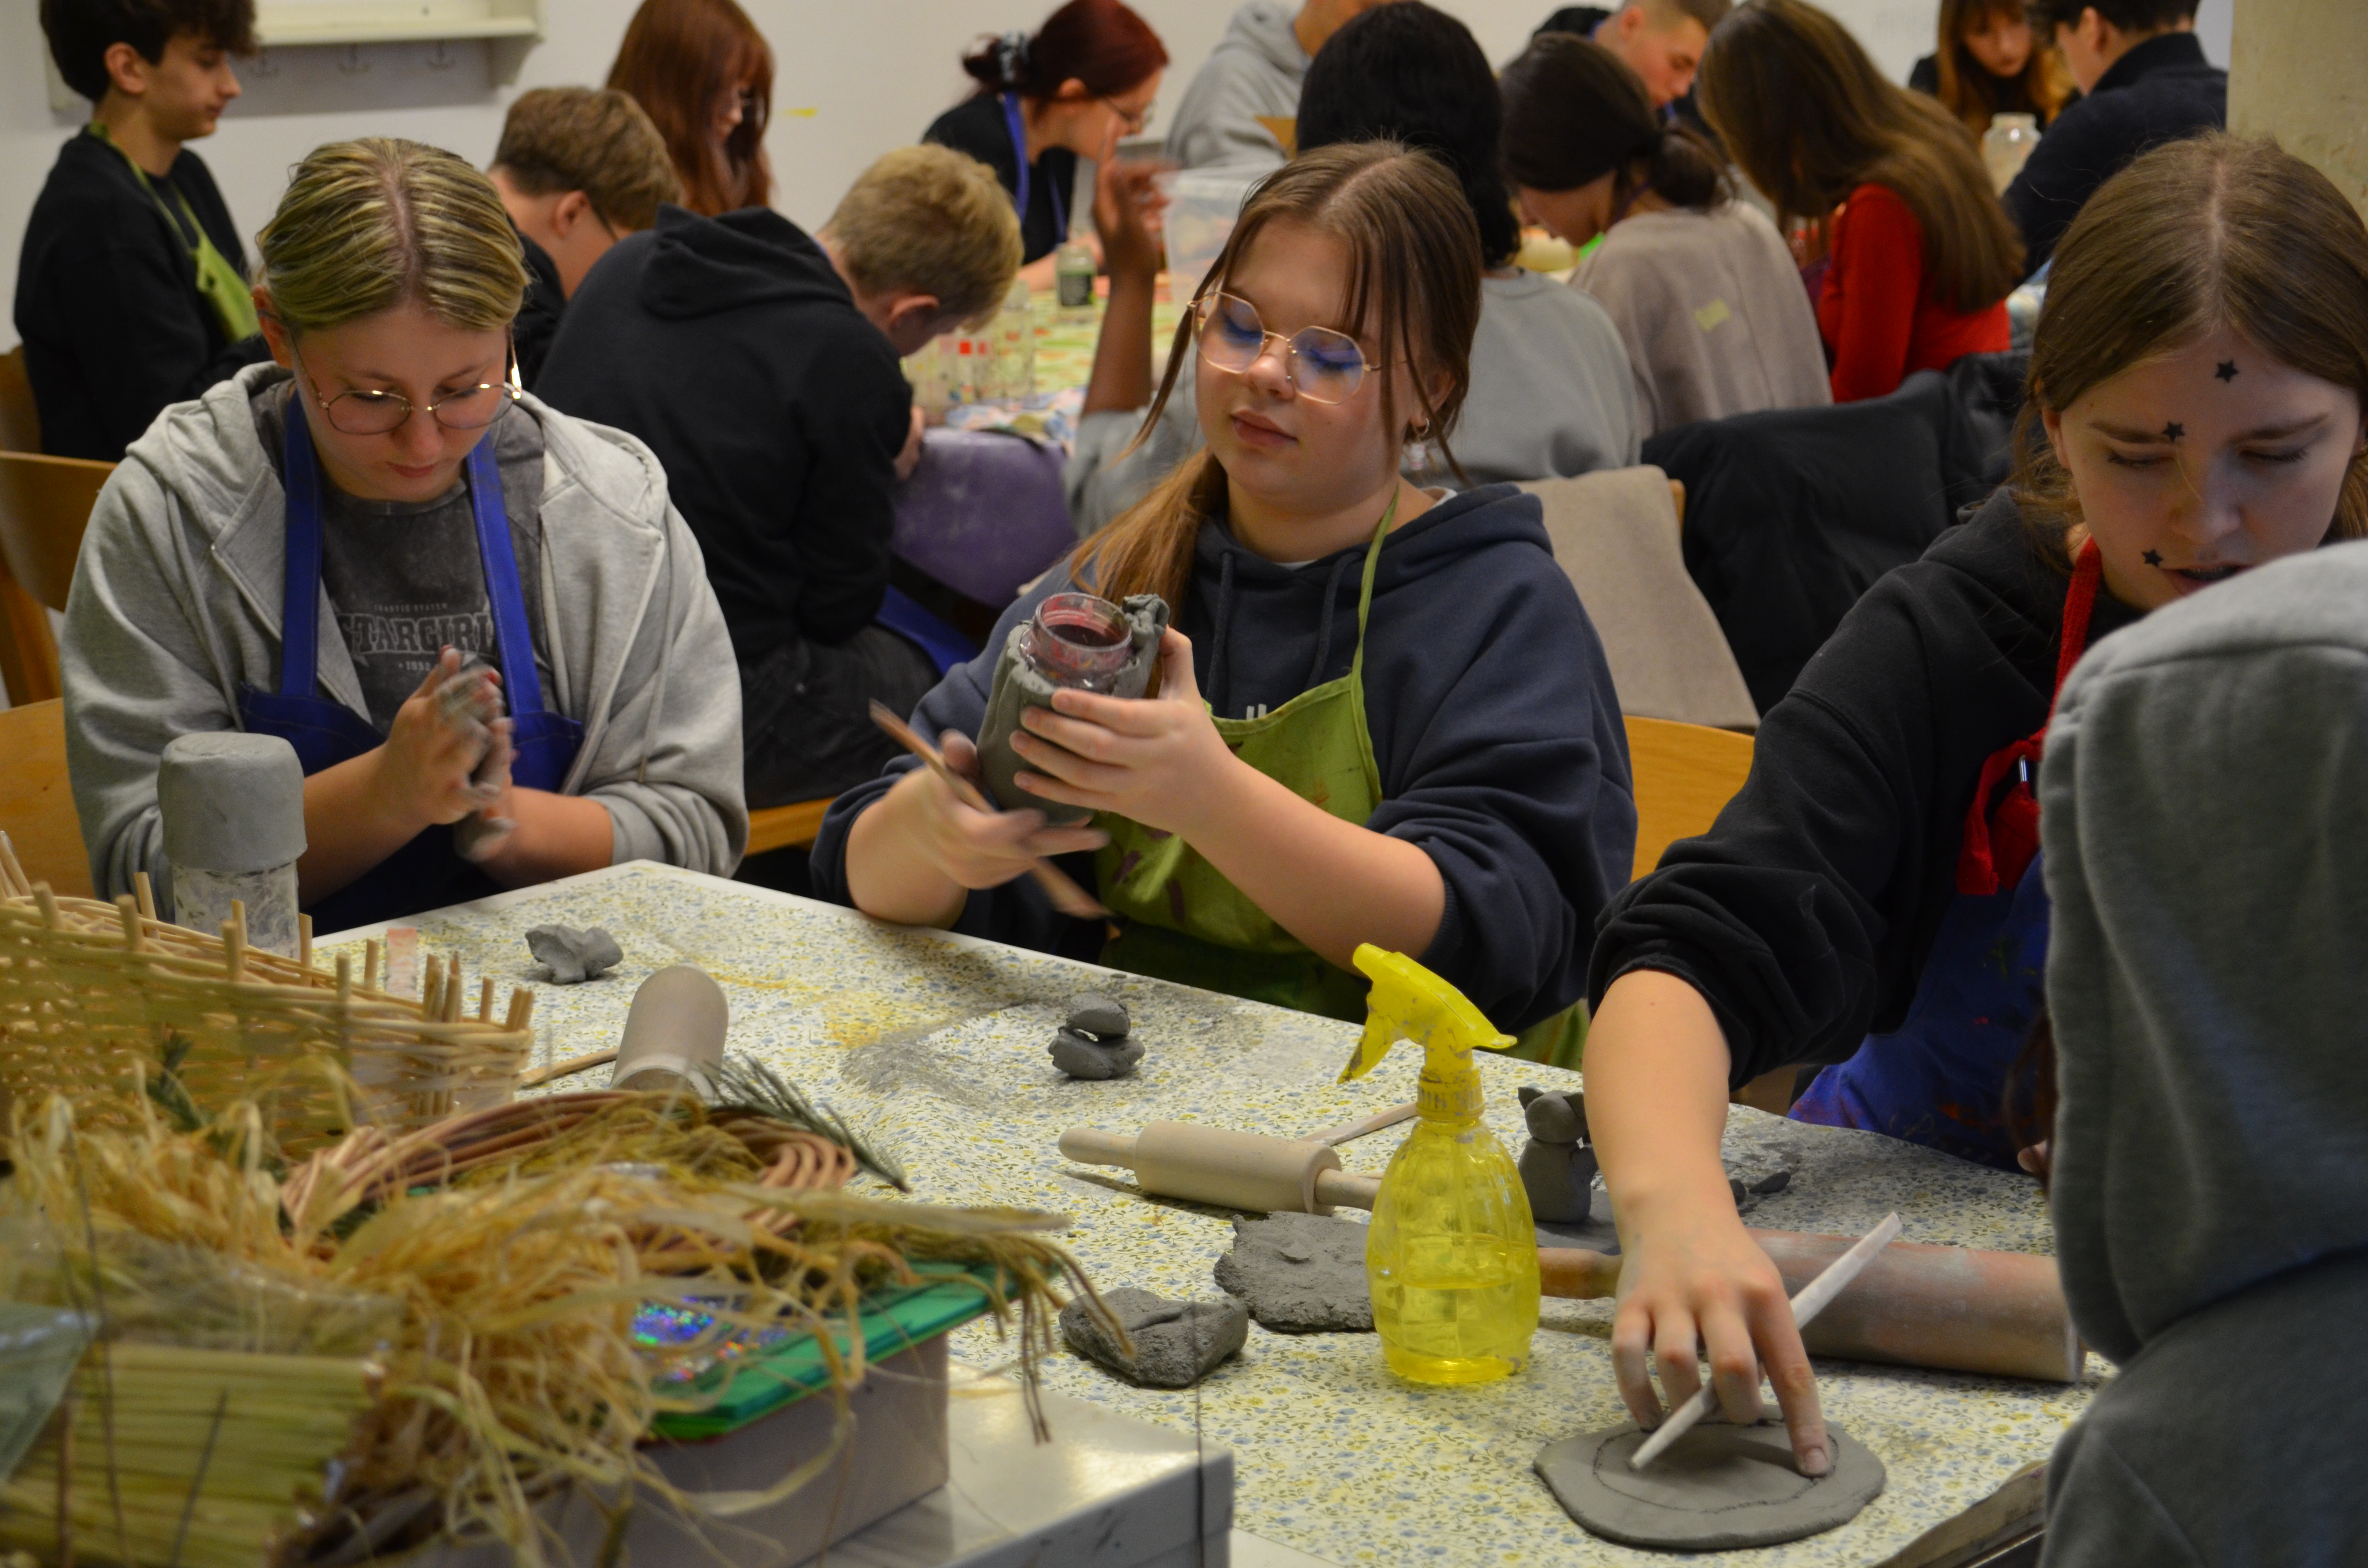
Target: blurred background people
(704,75)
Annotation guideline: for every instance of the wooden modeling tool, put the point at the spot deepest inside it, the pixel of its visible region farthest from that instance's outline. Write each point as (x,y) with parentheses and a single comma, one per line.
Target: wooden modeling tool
(1810,1301)
(566,1068)
(1067,895)
(1349,1131)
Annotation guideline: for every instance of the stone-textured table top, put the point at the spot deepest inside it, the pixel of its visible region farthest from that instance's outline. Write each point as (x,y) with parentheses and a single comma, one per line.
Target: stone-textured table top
(935,1045)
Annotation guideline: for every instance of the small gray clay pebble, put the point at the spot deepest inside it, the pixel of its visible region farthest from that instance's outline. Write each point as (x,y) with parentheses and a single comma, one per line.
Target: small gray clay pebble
(1081,1056)
(1556,1118)
(1300,1273)
(1769,1186)
(1099,1015)
(574,956)
(1736,1188)
(1176,1343)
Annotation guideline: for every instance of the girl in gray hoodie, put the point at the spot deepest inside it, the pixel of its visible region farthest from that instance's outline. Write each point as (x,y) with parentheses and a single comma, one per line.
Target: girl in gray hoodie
(486,634)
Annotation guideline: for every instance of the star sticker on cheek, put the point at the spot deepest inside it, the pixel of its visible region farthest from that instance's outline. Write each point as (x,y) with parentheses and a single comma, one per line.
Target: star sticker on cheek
(2154,557)
(2173,431)
(2226,372)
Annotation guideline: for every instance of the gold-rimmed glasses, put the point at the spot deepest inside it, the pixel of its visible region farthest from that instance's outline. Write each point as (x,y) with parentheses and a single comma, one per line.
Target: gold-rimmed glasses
(1324,365)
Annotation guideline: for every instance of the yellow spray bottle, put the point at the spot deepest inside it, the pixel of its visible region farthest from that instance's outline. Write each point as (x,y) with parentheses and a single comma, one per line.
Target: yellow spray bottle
(1453,1255)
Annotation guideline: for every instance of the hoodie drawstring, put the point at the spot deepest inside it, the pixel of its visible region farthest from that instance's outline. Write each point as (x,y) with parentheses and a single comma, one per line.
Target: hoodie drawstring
(1324,627)
(1224,621)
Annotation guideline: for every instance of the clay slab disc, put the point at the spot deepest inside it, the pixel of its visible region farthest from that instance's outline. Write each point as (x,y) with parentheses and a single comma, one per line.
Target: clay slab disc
(1720,1487)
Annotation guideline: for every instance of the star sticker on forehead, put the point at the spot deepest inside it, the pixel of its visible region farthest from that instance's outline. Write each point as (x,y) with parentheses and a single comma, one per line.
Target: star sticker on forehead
(2226,372)
(2173,431)
(2154,557)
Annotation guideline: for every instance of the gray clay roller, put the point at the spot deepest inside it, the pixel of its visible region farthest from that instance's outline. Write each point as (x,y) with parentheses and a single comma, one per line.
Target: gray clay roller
(1073,640)
(674,1034)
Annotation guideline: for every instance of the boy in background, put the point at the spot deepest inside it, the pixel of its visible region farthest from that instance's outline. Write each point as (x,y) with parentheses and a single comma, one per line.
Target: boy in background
(1661,41)
(578,169)
(132,292)
(760,364)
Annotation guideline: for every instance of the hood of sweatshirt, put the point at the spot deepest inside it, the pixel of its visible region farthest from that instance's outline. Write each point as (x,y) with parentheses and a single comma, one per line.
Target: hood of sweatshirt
(2208,971)
(704,267)
(1265,28)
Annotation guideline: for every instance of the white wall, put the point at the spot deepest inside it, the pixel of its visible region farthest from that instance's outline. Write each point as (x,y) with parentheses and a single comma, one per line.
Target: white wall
(873,73)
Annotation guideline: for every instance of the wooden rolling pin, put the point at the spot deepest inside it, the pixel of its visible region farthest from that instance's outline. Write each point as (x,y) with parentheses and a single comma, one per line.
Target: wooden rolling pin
(1998,1312)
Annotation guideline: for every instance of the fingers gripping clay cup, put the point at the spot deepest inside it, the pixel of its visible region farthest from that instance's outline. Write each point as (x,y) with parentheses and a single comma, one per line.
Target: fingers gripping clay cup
(1075,640)
(233,812)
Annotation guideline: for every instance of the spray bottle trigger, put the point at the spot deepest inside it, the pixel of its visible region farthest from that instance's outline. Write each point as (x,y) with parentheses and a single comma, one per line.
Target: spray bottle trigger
(1408,1002)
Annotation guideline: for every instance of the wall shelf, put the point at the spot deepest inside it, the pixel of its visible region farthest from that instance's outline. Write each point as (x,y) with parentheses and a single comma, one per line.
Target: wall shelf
(291,24)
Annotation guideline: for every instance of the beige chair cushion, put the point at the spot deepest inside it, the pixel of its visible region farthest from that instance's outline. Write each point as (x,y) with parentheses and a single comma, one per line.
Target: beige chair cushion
(1615,533)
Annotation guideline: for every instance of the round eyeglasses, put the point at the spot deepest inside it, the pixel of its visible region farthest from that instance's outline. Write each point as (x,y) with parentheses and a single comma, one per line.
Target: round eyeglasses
(1323,365)
(362,412)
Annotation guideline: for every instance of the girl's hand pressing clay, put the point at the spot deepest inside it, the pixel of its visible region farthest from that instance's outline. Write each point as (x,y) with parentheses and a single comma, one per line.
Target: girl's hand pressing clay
(425,772)
(1158,761)
(970,847)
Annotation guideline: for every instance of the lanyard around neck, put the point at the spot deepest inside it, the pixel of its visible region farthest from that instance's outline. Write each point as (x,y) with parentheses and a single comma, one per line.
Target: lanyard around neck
(1019,152)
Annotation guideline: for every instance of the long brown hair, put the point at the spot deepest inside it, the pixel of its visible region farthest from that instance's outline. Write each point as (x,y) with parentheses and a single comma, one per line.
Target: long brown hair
(2196,234)
(1102,44)
(680,60)
(1809,119)
(1414,294)
(1971,93)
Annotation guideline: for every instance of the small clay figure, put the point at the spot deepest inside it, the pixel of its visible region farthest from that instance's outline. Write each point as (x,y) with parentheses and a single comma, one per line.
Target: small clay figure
(1557,1164)
(1719,1488)
(1094,1042)
(1176,1343)
(1300,1273)
(575,956)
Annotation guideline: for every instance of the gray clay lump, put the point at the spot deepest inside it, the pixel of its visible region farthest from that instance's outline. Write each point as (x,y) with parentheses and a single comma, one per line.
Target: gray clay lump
(1557,1165)
(1718,1488)
(1176,1343)
(1300,1273)
(1093,1040)
(574,956)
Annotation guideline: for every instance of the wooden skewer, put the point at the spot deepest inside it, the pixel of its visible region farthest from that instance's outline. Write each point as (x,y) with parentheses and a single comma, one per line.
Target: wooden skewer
(127,910)
(233,948)
(486,999)
(1814,1298)
(566,1068)
(369,964)
(145,891)
(1063,889)
(1349,1131)
(304,942)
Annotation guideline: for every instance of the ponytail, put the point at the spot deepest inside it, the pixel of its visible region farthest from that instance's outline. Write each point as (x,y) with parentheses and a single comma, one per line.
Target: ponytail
(1102,44)
(998,62)
(1684,170)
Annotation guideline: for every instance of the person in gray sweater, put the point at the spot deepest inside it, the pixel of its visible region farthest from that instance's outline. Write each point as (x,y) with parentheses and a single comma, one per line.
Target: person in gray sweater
(313,549)
(2201,817)
(1253,73)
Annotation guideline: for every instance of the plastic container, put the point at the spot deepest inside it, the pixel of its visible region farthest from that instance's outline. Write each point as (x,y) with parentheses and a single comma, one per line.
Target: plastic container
(2006,147)
(39,1348)
(1201,206)
(1073,276)
(1077,640)
(1452,1257)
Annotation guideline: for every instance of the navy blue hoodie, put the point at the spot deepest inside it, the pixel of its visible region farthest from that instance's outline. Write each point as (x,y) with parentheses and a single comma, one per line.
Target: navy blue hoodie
(1493,720)
(732,347)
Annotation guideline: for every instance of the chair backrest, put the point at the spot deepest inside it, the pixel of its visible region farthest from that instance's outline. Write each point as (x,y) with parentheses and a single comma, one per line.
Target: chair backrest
(28,652)
(45,505)
(37,807)
(20,419)
(1684,775)
(1615,533)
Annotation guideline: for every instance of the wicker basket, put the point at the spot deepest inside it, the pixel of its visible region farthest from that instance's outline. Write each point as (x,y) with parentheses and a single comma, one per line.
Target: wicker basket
(95,998)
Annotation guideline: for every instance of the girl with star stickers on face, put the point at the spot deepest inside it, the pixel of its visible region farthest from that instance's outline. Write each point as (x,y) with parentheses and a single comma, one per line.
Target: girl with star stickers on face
(1872,900)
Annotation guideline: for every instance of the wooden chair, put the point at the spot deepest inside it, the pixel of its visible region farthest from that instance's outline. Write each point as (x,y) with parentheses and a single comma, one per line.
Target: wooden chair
(1685,774)
(20,419)
(45,505)
(37,807)
(792,826)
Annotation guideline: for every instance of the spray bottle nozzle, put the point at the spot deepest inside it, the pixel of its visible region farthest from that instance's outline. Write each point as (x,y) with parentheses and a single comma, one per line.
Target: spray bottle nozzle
(1408,1002)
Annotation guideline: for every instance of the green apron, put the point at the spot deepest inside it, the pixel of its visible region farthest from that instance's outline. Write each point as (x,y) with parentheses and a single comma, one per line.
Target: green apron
(1178,918)
(219,284)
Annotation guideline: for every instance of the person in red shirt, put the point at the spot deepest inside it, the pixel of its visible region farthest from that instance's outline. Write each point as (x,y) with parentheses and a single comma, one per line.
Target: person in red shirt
(1920,255)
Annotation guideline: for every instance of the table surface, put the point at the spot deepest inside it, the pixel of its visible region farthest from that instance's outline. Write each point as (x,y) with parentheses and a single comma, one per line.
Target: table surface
(934,1044)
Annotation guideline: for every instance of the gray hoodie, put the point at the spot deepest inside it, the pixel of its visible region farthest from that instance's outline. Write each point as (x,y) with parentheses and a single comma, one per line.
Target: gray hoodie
(2205,819)
(177,604)
(1255,70)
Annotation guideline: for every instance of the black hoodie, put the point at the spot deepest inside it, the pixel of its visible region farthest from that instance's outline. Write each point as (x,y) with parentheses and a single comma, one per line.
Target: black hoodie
(107,300)
(1492,715)
(732,347)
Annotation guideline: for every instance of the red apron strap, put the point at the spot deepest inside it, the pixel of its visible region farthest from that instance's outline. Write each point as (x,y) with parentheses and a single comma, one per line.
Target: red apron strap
(2000,841)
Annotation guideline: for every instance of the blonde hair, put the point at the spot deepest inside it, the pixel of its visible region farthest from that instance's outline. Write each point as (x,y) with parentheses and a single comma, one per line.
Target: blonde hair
(1414,286)
(597,140)
(928,220)
(369,225)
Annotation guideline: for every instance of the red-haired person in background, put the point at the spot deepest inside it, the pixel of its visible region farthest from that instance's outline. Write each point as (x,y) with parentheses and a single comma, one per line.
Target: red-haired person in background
(704,75)
(1044,100)
(1922,255)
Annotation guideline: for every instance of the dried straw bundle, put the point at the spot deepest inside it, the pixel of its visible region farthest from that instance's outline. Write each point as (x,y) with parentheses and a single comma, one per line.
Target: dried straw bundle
(93,997)
(513,1368)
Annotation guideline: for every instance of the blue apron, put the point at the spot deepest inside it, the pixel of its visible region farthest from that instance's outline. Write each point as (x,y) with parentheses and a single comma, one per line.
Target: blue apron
(1940,1079)
(427,872)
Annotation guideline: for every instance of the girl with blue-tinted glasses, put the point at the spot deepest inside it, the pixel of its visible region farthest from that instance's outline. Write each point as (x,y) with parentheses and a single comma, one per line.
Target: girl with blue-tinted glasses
(1382,716)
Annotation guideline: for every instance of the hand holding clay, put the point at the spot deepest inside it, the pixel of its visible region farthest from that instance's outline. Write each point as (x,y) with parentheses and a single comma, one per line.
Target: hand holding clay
(1691,1278)
(974,849)
(1158,761)
(443,733)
